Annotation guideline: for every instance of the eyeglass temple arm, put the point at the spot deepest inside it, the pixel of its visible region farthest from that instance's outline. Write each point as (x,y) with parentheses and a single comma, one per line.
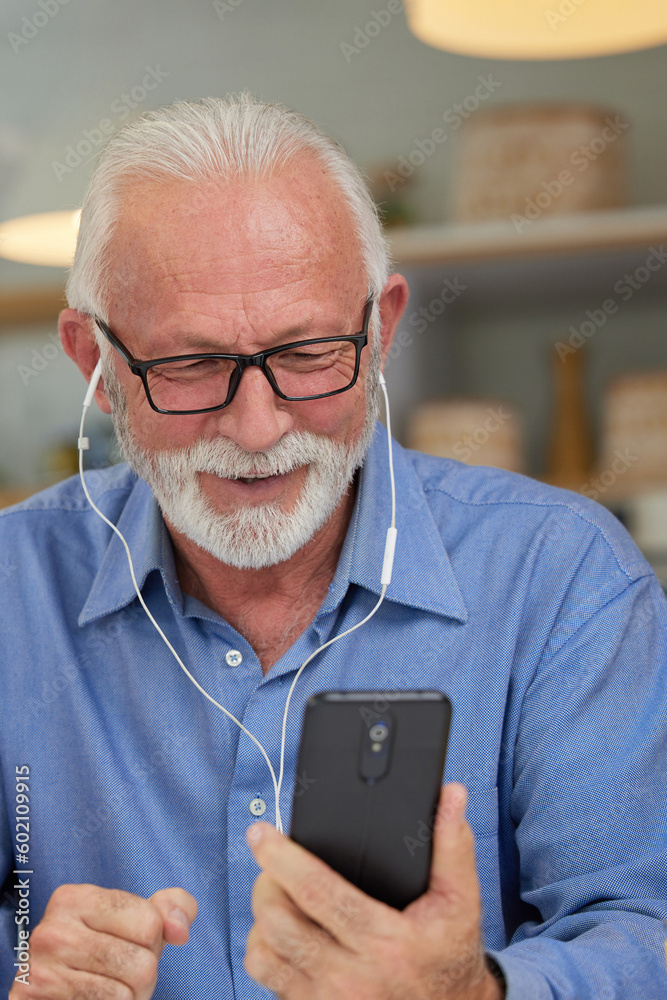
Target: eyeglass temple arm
(114,341)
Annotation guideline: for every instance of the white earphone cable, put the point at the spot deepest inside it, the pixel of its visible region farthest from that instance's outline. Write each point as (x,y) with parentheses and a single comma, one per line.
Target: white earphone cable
(385,580)
(388,555)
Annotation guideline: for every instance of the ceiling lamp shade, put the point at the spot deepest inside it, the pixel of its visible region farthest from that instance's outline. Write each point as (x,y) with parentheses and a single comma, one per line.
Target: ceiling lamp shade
(48,239)
(538,29)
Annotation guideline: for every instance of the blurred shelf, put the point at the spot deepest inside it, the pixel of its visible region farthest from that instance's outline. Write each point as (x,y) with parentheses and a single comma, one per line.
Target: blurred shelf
(584,233)
(12,495)
(587,233)
(30,305)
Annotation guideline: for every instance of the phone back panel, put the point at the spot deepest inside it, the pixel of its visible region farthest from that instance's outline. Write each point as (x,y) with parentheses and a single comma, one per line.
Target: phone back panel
(376,833)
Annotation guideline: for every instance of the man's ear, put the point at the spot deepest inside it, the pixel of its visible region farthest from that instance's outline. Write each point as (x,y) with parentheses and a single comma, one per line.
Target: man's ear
(79,344)
(393,300)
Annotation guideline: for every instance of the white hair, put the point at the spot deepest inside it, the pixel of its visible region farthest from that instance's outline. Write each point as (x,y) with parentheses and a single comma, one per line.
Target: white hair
(235,138)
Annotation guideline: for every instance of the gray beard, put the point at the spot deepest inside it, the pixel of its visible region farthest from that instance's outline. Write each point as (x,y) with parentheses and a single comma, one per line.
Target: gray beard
(252,536)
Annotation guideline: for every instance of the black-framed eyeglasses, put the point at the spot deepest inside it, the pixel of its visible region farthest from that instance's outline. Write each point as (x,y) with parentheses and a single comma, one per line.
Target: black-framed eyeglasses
(195,383)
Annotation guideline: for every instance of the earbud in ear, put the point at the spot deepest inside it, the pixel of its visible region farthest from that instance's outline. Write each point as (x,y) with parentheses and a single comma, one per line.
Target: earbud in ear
(92,386)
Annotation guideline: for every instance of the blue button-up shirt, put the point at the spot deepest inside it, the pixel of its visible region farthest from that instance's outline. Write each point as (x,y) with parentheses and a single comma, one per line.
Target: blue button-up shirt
(530,607)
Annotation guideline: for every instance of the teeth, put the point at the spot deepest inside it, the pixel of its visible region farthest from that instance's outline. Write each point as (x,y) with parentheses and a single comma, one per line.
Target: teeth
(252,479)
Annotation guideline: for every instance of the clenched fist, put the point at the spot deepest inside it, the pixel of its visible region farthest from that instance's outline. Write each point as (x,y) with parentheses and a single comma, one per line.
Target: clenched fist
(103,943)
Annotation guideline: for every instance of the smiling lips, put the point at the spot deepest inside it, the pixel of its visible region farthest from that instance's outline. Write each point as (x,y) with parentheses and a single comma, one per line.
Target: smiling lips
(260,483)
(253,479)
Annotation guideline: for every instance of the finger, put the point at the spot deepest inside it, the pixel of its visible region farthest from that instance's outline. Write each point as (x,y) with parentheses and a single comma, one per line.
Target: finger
(178,910)
(283,928)
(265,967)
(110,911)
(453,867)
(67,950)
(268,896)
(316,889)
(59,987)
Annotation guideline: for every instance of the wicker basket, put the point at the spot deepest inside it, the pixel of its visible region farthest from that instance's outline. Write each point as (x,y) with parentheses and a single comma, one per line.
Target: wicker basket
(538,160)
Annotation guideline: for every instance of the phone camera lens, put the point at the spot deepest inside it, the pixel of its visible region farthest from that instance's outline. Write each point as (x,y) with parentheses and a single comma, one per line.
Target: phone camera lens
(379,732)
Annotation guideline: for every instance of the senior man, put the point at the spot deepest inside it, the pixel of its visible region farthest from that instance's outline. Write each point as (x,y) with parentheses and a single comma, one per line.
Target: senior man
(255,507)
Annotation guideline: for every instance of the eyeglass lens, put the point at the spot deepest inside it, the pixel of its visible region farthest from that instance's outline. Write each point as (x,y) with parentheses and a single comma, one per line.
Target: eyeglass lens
(308,370)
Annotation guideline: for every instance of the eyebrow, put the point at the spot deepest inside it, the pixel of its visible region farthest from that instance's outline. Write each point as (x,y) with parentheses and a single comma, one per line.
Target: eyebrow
(203,344)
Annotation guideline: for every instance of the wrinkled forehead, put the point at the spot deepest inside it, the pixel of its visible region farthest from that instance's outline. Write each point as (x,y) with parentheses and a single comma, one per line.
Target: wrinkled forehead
(236,235)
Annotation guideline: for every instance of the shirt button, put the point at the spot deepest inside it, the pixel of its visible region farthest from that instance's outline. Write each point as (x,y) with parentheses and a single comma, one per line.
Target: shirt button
(258,807)
(233,658)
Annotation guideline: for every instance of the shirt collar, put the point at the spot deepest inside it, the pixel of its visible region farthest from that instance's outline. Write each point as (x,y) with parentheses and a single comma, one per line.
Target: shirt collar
(422,574)
(145,532)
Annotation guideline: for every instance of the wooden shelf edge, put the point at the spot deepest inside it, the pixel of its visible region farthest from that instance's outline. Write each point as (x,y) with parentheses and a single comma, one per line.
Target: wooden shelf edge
(30,305)
(586,232)
(565,234)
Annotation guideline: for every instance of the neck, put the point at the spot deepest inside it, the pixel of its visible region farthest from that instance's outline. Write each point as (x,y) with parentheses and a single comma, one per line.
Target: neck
(269,607)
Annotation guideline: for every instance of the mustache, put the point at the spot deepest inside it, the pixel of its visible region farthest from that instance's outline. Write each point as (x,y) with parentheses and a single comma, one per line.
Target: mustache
(224,458)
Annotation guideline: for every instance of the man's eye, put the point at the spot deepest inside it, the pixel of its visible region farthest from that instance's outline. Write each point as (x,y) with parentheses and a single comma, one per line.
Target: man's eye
(315,355)
(184,370)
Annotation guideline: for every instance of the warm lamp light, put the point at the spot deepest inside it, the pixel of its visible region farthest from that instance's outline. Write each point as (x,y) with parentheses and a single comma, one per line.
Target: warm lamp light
(538,29)
(48,239)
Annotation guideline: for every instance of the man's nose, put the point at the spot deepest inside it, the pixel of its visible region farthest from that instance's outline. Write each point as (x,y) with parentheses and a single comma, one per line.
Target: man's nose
(256,418)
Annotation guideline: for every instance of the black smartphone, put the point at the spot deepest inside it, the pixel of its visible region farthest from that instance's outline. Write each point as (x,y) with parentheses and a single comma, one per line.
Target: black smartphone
(369,774)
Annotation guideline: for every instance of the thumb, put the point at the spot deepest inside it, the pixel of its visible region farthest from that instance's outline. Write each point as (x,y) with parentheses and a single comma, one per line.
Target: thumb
(178,910)
(453,866)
